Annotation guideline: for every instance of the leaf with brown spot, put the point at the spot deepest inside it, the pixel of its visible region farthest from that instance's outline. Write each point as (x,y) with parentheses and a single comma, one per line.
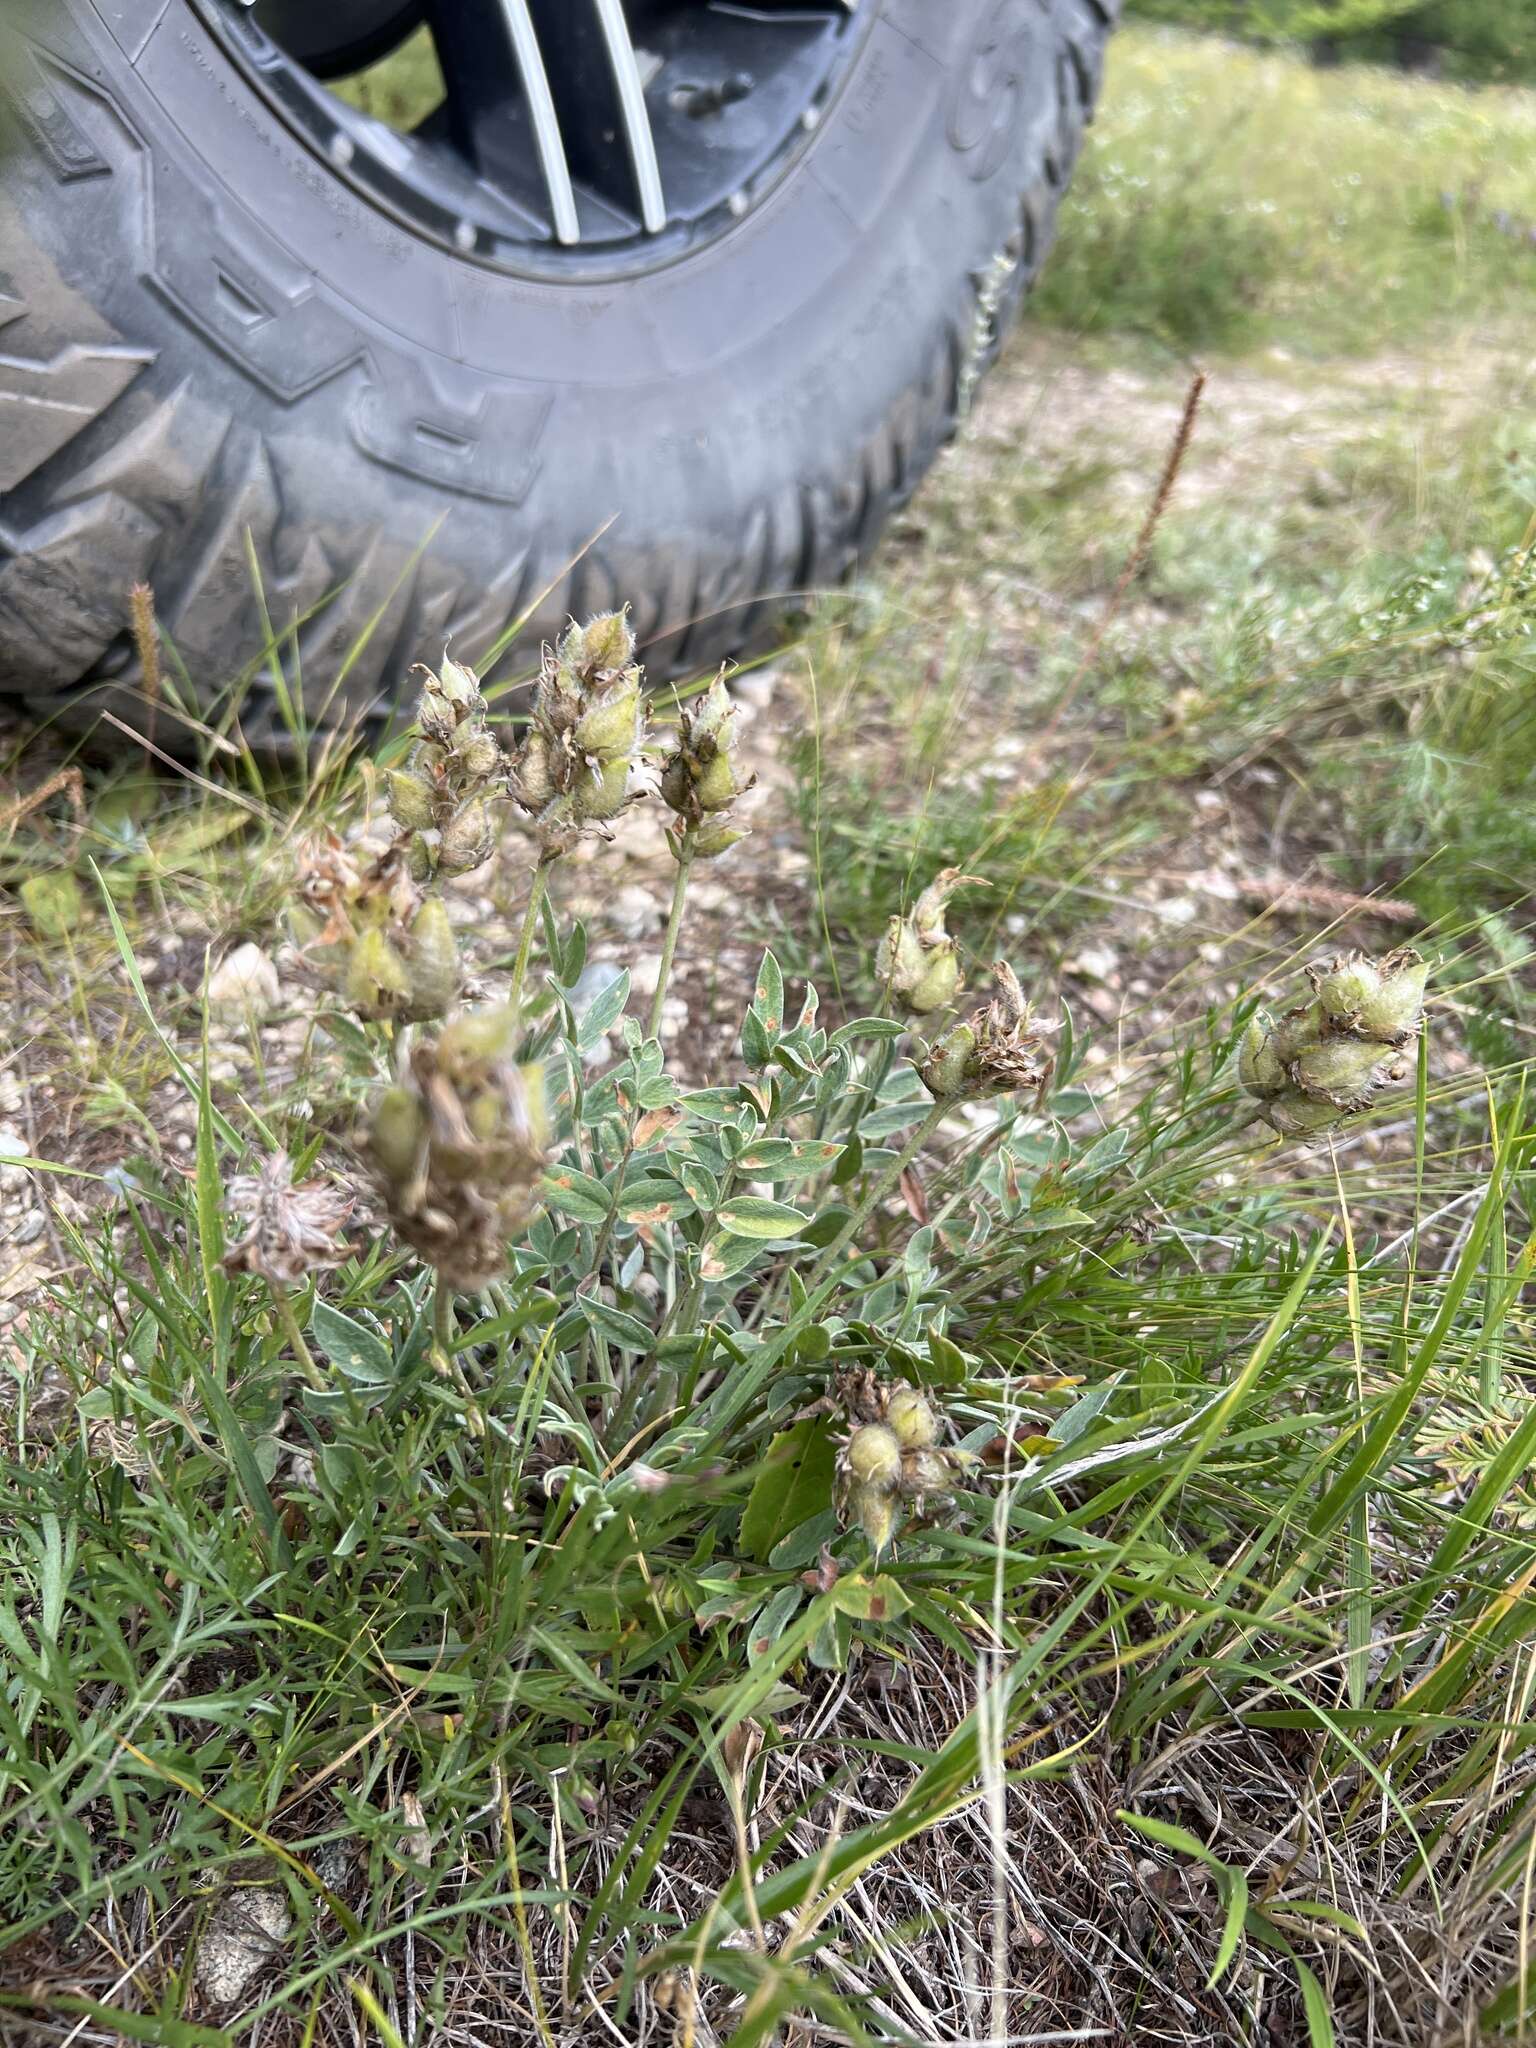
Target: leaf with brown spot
(879,1599)
(653,1125)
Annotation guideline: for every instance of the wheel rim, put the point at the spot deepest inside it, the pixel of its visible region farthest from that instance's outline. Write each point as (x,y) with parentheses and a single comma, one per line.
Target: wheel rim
(577,138)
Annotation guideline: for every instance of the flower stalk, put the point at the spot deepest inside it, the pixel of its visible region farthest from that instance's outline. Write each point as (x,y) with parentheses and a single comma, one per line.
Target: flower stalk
(684,851)
(538,889)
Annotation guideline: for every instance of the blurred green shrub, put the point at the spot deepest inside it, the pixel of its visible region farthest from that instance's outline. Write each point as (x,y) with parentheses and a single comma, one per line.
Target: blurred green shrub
(1469,39)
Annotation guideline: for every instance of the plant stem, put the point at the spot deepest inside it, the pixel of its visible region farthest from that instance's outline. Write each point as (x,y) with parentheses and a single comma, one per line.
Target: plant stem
(821,1285)
(674,926)
(443,1331)
(289,1323)
(881,1188)
(525,939)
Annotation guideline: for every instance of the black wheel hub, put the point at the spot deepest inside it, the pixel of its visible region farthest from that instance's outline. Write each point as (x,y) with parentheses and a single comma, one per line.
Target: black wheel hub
(576,138)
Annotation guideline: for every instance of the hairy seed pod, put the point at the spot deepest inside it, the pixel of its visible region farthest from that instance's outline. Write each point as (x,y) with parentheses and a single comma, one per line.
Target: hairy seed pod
(917,959)
(480,757)
(601,793)
(603,646)
(710,841)
(994,1052)
(459,1145)
(1331,1056)
(910,1416)
(874,1509)
(396,1133)
(411,799)
(873,1456)
(433,961)
(377,982)
(1260,1068)
(469,839)
(924,1472)
(1342,1070)
(610,727)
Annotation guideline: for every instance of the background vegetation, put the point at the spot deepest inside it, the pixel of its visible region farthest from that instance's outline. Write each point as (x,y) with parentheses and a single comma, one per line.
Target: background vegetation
(1471,39)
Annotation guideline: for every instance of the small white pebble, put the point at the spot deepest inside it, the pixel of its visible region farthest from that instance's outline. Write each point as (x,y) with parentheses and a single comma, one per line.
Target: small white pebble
(245,983)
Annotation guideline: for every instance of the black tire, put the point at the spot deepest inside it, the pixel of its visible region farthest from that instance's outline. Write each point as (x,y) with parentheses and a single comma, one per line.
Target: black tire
(209,336)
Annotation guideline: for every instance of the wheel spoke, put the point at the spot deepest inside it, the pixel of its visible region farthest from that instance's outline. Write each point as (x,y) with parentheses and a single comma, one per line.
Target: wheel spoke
(636,116)
(501,110)
(546,125)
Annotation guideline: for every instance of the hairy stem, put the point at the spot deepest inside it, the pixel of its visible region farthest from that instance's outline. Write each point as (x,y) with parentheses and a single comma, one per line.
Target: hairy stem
(536,896)
(674,926)
(289,1323)
(443,1329)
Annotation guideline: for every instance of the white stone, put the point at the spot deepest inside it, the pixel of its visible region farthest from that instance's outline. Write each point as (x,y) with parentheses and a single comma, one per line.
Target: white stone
(634,911)
(1178,910)
(245,983)
(13,1146)
(243,1933)
(1097,962)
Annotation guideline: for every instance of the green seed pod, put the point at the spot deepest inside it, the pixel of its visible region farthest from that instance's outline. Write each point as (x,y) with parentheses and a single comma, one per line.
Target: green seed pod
(396,1133)
(995,1050)
(603,646)
(474,1039)
(875,1512)
(469,839)
(939,982)
(714,715)
(1347,987)
(925,1471)
(377,984)
(1296,1114)
(411,799)
(1392,1011)
(1343,1071)
(433,962)
(1259,1068)
(716,787)
(945,1069)
(910,1416)
(480,758)
(899,957)
(917,959)
(460,686)
(1297,1030)
(601,792)
(873,1456)
(610,726)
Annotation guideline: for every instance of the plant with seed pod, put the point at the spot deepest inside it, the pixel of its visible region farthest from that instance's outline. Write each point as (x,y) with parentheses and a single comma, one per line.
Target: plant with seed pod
(458,1144)
(893,1462)
(444,798)
(917,962)
(572,773)
(366,930)
(1330,1057)
(994,1052)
